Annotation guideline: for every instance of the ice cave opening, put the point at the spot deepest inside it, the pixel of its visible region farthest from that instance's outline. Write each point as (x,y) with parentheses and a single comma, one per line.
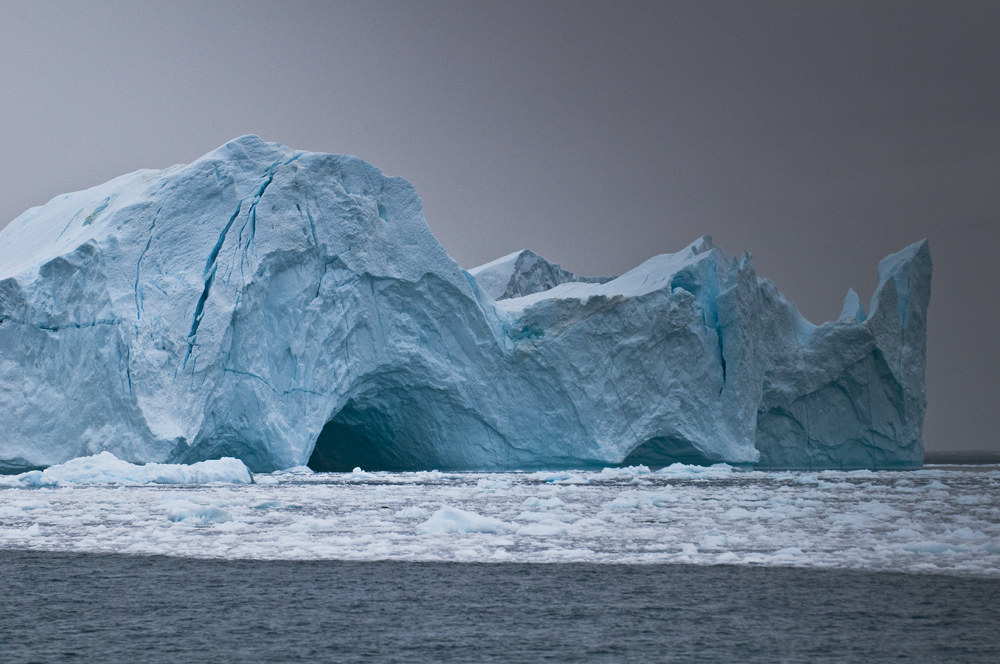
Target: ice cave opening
(662,451)
(390,430)
(355,438)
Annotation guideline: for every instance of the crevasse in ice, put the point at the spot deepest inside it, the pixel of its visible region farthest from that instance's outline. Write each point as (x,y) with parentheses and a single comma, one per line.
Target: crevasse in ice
(286,307)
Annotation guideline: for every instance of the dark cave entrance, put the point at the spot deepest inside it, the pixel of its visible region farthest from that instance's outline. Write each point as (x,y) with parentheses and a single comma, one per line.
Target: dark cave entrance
(341,448)
(367,437)
(661,452)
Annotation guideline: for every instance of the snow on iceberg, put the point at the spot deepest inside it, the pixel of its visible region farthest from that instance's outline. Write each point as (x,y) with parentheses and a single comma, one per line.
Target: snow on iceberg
(289,308)
(106,468)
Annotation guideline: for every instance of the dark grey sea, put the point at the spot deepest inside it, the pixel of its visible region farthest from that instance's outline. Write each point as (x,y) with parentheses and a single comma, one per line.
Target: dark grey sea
(65,607)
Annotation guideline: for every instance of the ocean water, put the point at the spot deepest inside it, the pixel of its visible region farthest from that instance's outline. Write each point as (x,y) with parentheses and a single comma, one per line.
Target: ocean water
(115,608)
(685,564)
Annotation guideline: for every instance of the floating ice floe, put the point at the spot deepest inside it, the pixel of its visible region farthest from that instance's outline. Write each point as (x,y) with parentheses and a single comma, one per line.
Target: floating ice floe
(452,520)
(875,521)
(106,468)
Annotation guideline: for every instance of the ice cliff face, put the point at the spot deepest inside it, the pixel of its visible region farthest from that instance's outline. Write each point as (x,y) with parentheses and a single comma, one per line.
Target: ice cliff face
(849,393)
(286,307)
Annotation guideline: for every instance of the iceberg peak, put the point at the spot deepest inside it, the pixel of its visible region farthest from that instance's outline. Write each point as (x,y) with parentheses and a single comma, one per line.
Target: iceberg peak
(852,312)
(524,273)
(701,245)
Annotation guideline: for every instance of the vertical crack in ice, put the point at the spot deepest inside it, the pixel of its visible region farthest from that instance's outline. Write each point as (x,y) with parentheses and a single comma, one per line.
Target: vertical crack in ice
(722,358)
(128,368)
(312,223)
(210,267)
(252,212)
(138,265)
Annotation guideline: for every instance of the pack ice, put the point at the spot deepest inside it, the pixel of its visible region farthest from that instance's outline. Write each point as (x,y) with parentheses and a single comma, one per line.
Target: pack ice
(287,307)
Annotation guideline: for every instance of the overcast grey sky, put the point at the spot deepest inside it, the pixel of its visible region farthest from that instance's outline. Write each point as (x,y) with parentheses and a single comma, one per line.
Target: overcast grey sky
(820,136)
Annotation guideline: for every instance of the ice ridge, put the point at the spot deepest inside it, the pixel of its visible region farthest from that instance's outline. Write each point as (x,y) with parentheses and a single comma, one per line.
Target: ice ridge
(284,307)
(524,273)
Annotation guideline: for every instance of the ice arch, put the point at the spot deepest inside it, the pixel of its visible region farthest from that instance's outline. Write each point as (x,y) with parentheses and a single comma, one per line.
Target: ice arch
(397,428)
(355,438)
(663,451)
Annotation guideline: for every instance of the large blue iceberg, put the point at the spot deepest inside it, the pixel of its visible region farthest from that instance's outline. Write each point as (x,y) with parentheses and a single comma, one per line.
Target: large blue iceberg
(287,307)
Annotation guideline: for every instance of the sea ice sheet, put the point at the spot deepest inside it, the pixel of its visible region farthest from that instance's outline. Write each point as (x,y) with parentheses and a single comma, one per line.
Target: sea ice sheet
(932,521)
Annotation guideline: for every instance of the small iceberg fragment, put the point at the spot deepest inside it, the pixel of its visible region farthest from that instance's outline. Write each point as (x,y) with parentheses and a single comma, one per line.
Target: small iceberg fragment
(183,510)
(452,520)
(106,468)
(681,470)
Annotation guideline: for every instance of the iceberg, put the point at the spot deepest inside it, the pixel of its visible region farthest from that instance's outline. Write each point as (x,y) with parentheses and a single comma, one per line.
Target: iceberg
(289,308)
